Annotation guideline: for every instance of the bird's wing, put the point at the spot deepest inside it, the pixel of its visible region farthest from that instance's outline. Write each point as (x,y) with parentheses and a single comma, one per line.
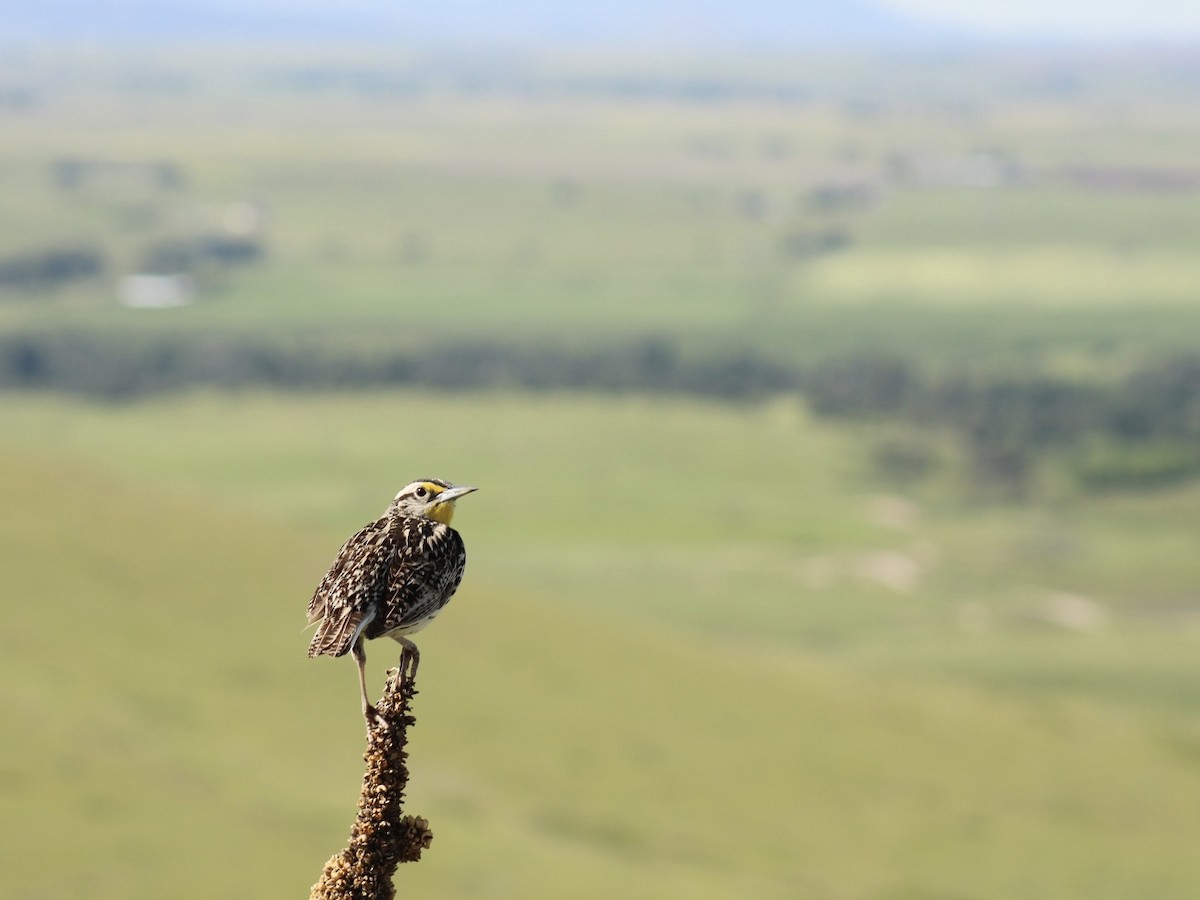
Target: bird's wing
(347,593)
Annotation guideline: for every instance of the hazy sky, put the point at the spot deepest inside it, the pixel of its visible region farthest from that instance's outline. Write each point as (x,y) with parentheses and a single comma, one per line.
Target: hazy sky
(1070,20)
(1104,19)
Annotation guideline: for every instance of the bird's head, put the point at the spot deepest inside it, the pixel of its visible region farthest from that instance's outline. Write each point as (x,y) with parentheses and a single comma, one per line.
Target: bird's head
(430,498)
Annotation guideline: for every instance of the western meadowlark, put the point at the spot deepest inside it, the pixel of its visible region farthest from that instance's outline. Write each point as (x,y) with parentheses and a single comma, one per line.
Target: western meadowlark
(391,578)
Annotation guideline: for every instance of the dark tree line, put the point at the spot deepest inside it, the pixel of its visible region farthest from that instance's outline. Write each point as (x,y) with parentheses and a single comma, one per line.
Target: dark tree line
(116,367)
(176,255)
(1140,430)
(50,267)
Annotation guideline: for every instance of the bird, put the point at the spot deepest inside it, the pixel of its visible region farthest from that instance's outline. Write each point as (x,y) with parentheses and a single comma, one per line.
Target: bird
(391,578)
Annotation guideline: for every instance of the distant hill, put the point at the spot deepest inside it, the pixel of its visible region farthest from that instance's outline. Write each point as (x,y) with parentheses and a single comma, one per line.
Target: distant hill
(698,23)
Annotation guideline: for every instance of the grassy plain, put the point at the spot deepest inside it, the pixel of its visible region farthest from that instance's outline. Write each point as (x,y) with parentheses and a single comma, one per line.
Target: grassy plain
(702,650)
(590,721)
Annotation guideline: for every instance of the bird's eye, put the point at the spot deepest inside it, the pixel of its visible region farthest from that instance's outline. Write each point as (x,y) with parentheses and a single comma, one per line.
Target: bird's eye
(421,492)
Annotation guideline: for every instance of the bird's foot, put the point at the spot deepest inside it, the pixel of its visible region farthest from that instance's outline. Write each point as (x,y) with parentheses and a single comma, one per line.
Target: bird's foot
(410,658)
(374,719)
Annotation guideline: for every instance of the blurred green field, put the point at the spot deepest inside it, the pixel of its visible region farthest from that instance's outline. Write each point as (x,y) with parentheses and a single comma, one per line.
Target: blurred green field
(664,510)
(964,214)
(703,649)
(704,690)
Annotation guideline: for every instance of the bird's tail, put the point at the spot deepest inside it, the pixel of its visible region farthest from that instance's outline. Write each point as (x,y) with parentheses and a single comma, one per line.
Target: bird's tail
(337,634)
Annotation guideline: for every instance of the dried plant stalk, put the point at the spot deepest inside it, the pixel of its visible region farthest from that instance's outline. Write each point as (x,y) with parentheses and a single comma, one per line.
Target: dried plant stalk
(382,837)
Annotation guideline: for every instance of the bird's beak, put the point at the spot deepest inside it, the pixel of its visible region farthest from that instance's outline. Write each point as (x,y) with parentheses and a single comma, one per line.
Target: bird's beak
(454,493)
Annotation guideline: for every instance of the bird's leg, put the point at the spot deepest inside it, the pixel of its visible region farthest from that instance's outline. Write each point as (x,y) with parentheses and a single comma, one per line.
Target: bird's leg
(360,657)
(410,658)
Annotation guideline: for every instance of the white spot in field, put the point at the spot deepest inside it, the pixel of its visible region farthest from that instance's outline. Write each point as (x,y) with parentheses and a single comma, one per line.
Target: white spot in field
(890,568)
(156,291)
(890,511)
(1073,611)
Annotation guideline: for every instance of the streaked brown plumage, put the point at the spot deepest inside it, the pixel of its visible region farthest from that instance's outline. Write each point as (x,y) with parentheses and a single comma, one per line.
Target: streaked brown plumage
(392,577)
